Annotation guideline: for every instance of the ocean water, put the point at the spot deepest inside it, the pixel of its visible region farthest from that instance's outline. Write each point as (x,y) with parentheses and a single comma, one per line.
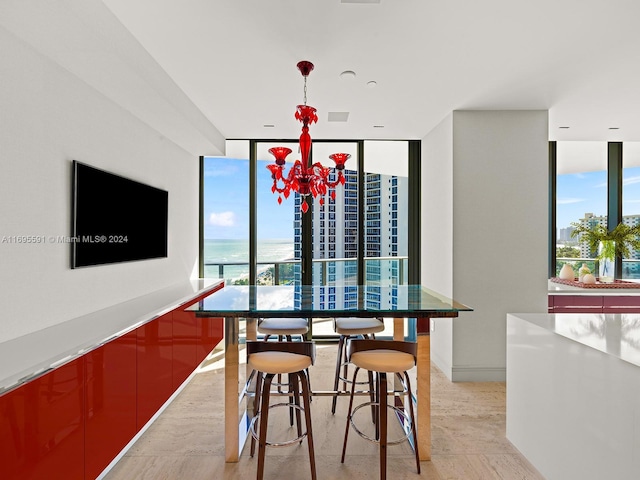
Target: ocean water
(237,251)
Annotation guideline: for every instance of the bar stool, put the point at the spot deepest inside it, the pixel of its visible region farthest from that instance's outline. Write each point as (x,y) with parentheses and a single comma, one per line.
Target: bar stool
(382,356)
(269,359)
(283,329)
(350,328)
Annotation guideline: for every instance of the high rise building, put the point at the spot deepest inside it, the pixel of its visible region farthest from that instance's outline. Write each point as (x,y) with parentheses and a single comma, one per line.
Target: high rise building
(335,240)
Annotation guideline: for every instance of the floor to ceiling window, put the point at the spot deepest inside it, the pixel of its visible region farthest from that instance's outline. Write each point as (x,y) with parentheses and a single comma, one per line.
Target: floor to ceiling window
(225,215)
(585,195)
(631,202)
(361,235)
(581,197)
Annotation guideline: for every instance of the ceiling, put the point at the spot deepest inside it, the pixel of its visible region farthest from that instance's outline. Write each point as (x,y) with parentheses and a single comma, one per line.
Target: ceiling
(236,60)
(200,71)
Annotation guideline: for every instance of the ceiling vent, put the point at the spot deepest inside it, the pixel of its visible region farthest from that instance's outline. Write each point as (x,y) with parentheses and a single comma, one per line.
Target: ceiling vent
(338,116)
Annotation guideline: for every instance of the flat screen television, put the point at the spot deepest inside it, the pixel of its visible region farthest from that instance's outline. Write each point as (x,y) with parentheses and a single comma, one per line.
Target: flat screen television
(115,219)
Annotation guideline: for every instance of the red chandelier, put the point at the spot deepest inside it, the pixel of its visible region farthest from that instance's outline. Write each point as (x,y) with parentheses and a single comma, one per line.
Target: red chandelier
(303,177)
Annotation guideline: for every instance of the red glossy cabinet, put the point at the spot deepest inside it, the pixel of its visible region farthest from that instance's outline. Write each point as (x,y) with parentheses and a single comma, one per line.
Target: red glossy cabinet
(576,304)
(185,339)
(110,401)
(73,421)
(594,304)
(42,428)
(154,366)
(211,332)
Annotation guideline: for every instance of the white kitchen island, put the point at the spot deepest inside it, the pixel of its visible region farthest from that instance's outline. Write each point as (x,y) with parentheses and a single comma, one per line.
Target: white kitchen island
(573,394)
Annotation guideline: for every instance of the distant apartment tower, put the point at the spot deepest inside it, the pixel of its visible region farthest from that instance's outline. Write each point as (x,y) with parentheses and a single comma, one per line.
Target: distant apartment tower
(336,236)
(564,234)
(591,220)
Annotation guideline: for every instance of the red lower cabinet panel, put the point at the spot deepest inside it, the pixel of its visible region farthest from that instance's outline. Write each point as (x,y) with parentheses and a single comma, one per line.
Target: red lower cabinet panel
(577,304)
(110,401)
(184,346)
(622,304)
(42,427)
(210,332)
(154,361)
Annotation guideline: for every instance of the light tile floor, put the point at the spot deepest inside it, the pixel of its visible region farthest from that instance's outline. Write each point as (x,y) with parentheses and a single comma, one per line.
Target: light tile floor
(187,439)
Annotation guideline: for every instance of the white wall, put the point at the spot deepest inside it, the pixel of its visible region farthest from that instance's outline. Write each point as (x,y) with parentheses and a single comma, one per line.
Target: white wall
(50,116)
(496,195)
(437,232)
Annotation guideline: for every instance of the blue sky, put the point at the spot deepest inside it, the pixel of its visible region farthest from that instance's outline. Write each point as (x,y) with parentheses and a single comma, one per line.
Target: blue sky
(226,202)
(586,192)
(227,199)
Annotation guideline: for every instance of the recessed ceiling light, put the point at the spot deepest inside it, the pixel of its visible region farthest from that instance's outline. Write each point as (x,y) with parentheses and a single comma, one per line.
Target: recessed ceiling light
(563,127)
(378,126)
(360,1)
(614,128)
(268,125)
(348,74)
(372,84)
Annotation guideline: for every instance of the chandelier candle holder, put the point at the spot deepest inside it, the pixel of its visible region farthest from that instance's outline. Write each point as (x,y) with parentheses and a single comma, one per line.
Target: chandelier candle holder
(305,178)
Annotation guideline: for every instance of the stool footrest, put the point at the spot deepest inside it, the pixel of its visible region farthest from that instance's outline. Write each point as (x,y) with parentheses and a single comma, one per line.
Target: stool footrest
(398,411)
(286,443)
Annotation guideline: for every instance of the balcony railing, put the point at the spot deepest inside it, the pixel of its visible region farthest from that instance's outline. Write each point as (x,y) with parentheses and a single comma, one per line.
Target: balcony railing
(378,271)
(630,267)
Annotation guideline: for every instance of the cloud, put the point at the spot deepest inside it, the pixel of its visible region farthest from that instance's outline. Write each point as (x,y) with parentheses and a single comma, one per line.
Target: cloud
(631,180)
(566,201)
(222,219)
(220,170)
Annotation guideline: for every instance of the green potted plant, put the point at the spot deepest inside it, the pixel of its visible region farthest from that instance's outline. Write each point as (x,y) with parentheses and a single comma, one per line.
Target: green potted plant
(610,245)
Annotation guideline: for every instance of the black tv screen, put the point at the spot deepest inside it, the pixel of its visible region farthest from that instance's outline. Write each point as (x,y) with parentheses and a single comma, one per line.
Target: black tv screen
(115,219)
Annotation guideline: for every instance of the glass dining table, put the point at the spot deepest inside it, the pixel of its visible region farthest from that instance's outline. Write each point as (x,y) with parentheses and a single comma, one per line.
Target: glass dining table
(236,304)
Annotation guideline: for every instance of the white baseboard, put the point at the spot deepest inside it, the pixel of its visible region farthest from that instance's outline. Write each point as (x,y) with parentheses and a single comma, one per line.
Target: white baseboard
(479,374)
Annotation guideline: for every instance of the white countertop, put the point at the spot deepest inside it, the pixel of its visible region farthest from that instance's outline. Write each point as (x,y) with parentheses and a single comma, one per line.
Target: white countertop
(617,335)
(31,355)
(561,289)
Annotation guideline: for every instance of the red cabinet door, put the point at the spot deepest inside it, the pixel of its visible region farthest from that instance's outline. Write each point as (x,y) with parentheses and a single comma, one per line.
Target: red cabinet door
(184,346)
(210,334)
(42,427)
(155,366)
(110,401)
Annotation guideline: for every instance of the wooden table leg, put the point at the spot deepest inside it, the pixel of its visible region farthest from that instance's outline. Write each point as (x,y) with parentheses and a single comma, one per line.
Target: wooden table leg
(424,388)
(231,410)
(398,329)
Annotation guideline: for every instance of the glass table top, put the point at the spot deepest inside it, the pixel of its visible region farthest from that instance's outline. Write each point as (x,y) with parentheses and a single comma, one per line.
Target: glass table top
(327,300)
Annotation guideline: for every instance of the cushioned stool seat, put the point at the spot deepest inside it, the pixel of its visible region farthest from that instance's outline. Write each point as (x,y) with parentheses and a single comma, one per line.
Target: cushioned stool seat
(383,360)
(283,326)
(278,362)
(358,326)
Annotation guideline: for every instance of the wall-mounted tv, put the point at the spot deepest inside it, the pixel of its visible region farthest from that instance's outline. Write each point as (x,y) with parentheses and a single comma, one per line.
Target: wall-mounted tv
(115,219)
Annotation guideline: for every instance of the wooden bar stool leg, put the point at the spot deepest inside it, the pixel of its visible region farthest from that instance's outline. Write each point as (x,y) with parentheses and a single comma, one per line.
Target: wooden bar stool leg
(294,384)
(346,430)
(414,425)
(264,418)
(306,398)
(382,421)
(256,406)
(372,396)
(336,381)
